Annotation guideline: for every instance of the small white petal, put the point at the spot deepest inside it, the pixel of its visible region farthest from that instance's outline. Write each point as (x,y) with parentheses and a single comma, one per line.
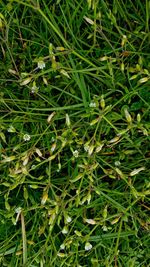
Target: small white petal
(117,163)
(76,153)
(92,105)
(88,246)
(62,246)
(41,64)
(26,137)
(64,230)
(105,229)
(34,89)
(18,210)
(68,219)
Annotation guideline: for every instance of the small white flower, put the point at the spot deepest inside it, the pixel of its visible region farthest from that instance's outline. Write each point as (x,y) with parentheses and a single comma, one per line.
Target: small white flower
(65,230)
(62,246)
(76,153)
(88,246)
(86,148)
(18,210)
(34,89)
(117,163)
(68,219)
(41,64)
(92,104)
(105,229)
(26,137)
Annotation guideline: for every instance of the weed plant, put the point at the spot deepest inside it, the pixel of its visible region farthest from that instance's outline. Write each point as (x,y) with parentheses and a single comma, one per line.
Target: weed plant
(74,130)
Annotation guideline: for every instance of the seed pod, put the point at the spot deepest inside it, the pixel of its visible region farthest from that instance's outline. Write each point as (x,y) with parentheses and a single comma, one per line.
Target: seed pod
(44,197)
(143,80)
(50,117)
(90,150)
(25,161)
(8,159)
(90,221)
(102,102)
(89,198)
(78,233)
(45,81)
(89,20)
(133,77)
(105,213)
(94,121)
(63,72)
(119,172)
(122,67)
(37,150)
(103,58)
(7,206)
(53,147)
(60,48)
(128,116)
(124,40)
(68,120)
(61,255)
(136,171)
(78,177)
(50,49)
(99,148)
(115,220)
(25,193)
(114,140)
(26,81)
(138,117)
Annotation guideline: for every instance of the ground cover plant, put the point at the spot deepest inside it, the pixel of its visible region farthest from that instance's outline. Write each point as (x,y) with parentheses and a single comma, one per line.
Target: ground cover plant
(74,130)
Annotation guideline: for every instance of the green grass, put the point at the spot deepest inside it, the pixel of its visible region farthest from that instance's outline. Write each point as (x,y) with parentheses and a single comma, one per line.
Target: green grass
(74,151)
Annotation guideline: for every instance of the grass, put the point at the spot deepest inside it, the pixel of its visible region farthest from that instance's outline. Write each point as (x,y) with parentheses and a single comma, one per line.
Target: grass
(75,102)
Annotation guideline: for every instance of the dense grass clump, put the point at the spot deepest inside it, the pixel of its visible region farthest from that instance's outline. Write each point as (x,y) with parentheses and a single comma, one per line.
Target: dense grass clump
(75,133)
